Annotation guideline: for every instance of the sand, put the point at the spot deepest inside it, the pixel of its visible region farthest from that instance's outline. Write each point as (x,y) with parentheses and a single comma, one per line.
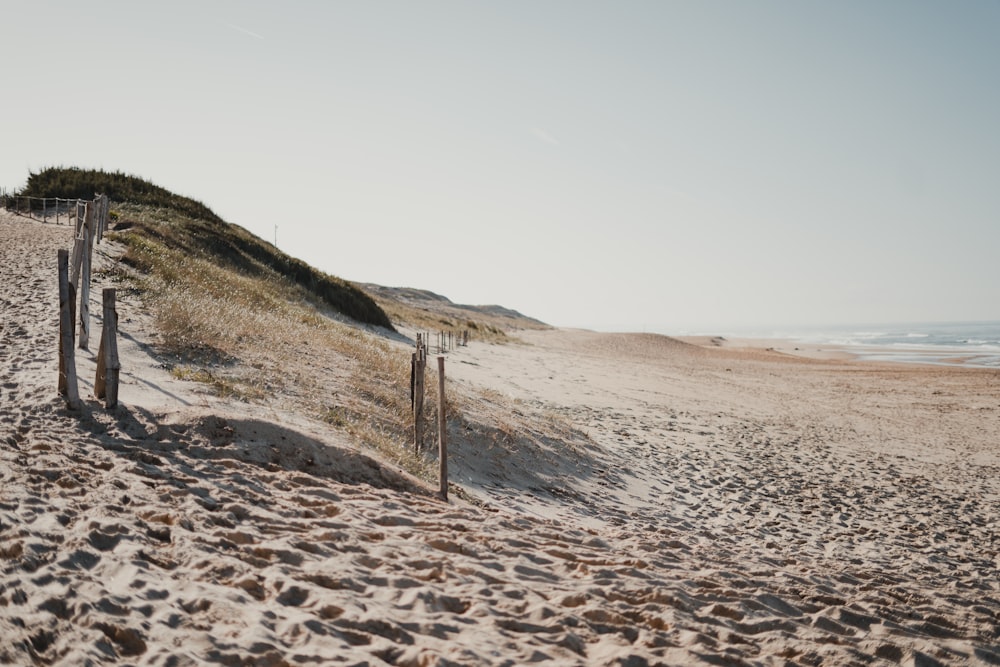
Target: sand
(634,500)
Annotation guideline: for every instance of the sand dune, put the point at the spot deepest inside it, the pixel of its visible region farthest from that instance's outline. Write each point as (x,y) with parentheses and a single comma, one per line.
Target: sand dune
(638,500)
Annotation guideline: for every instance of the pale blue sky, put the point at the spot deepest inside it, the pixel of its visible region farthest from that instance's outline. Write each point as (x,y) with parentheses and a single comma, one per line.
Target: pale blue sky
(661,166)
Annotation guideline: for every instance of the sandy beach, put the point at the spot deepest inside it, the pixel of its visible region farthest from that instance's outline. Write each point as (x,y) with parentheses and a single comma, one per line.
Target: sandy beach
(618,499)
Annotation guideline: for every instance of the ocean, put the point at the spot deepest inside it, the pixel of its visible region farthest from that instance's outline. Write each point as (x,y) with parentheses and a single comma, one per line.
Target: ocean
(970,343)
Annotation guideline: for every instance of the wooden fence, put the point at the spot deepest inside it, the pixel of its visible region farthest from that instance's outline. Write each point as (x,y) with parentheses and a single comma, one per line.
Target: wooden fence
(447,340)
(74,269)
(418,369)
(75,276)
(417,372)
(56,210)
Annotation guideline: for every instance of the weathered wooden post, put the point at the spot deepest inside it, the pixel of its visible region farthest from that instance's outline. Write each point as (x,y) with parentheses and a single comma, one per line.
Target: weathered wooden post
(67,357)
(102,221)
(98,218)
(108,365)
(77,259)
(442,434)
(83,287)
(419,364)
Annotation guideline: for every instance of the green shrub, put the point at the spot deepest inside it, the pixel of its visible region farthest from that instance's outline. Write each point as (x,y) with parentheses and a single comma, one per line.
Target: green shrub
(77,183)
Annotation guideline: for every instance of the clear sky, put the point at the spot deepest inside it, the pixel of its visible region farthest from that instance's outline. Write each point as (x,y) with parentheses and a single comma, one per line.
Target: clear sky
(619,165)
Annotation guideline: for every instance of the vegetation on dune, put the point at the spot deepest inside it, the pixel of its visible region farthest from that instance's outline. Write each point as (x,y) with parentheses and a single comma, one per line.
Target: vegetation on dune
(426,311)
(232,248)
(432,322)
(77,183)
(228,318)
(253,324)
(161,218)
(250,331)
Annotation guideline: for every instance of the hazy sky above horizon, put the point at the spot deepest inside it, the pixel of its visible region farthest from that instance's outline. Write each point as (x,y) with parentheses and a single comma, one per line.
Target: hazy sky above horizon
(659,166)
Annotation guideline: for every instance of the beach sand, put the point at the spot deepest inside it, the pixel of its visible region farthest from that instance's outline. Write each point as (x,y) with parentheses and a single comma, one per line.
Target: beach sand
(629,499)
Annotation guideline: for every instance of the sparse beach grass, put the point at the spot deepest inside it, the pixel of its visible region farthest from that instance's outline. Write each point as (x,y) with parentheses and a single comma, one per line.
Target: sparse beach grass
(258,336)
(261,337)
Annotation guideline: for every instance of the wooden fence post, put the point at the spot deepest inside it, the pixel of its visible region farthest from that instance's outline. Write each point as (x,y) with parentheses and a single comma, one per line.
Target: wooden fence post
(98,215)
(419,374)
(77,259)
(102,217)
(67,357)
(81,214)
(106,215)
(108,365)
(84,284)
(442,434)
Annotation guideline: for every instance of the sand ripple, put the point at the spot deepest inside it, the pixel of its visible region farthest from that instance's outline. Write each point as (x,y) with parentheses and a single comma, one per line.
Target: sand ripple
(701,511)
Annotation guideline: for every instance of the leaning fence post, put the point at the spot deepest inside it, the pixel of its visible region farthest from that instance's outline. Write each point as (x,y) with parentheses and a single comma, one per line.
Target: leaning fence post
(108,365)
(84,285)
(81,214)
(442,434)
(74,269)
(67,357)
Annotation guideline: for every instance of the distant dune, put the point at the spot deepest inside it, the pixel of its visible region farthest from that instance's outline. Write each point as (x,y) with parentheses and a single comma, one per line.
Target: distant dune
(427,300)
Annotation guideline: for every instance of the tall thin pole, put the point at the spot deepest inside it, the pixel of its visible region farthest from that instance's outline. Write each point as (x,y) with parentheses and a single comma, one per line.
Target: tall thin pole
(442,434)
(67,359)
(84,284)
(419,363)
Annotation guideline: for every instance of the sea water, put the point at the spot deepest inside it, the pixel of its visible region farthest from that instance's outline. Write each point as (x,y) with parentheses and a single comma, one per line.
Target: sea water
(969,343)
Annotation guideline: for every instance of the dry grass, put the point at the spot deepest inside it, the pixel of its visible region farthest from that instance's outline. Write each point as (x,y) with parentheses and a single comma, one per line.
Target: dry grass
(421,310)
(260,339)
(432,322)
